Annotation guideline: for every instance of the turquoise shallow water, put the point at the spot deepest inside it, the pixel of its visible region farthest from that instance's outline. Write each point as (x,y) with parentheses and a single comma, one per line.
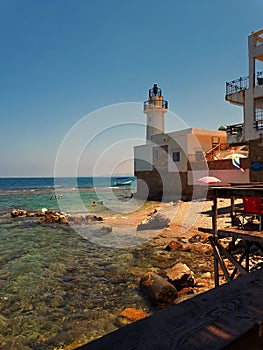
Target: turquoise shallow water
(57,287)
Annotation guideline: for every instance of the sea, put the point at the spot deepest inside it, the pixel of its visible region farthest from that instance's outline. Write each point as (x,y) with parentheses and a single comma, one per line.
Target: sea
(63,286)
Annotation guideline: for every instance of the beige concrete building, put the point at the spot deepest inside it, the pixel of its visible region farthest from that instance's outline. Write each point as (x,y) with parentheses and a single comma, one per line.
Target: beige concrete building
(168,164)
(247,92)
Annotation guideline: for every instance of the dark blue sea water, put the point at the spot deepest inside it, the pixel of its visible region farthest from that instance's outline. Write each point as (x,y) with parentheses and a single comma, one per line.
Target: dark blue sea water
(61,193)
(63,182)
(62,286)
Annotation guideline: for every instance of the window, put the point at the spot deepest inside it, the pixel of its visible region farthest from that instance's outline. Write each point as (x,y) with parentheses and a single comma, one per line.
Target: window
(155,153)
(259,124)
(176,156)
(258,109)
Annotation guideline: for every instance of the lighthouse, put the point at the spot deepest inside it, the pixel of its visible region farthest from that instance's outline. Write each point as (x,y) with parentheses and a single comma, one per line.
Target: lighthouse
(154,108)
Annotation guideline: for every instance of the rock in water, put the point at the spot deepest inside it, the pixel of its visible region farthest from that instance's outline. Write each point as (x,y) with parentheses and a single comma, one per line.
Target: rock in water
(159,291)
(133,314)
(154,222)
(18,212)
(181,276)
(128,316)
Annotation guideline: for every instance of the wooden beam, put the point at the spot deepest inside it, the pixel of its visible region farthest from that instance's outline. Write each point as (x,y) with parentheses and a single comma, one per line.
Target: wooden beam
(242,270)
(219,259)
(215,214)
(242,191)
(259,38)
(250,236)
(240,262)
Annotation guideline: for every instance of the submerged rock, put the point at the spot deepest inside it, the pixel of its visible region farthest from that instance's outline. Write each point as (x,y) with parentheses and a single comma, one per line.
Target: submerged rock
(105,229)
(130,315)
(50,216)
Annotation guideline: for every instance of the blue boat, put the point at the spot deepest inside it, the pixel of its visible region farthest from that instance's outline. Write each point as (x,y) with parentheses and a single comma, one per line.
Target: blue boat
(123,181)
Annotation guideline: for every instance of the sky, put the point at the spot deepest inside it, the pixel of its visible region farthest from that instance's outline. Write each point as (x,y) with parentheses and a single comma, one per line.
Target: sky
(74,75)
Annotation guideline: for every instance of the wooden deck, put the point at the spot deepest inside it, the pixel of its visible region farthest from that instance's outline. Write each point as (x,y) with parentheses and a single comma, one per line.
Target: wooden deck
(229,317)
(249,238)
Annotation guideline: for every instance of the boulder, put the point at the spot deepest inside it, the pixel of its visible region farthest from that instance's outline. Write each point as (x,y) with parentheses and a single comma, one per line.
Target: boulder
(159,291)
(54,217)
(14,213)
(128,316)
(181,276)
(105,229)
(63,220)
(173,245)
(18,212)
(133,314)
(198,238)
(153,222)
(90,218)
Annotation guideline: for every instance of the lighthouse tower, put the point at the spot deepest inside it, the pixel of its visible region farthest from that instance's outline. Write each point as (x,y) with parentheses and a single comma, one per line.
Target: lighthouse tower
(154,108)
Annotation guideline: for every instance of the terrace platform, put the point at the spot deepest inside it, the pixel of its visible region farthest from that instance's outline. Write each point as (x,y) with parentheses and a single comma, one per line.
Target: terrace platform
(249,239)
(229,317)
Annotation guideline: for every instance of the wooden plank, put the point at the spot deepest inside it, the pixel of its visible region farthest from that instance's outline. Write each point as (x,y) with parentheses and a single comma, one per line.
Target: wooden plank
(250,236)
(233,216)
(226,317)
(242,191)
(215,216)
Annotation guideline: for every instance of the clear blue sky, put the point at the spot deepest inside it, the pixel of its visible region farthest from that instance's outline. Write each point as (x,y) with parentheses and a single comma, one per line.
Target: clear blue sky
(64,59)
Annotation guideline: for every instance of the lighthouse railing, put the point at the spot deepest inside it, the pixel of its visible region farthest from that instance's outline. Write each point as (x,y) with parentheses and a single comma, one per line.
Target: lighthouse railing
(153,104)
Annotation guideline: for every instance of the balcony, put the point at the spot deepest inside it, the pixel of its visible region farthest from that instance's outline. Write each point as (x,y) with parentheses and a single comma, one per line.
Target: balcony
(241,84)
(235,133)
(236,85)
(155,104)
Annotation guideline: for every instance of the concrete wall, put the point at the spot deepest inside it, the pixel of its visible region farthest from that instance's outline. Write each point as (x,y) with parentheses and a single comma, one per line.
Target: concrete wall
(143,158)
(163,178)
(169,187)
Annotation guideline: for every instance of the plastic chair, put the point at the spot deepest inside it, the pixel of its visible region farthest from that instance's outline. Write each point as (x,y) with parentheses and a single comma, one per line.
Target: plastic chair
(253,207)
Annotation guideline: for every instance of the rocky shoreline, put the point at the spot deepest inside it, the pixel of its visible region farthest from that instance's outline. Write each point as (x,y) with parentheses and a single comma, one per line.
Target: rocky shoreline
(181,258)
(182,263)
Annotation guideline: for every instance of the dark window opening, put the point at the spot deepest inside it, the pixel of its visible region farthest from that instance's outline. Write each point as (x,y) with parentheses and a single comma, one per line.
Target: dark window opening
(176,156)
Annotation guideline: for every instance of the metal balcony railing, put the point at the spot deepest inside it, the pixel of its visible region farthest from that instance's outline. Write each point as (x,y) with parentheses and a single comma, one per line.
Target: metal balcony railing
(235,129)
(241,83)
(259,124)
(153,104)
(236,85)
